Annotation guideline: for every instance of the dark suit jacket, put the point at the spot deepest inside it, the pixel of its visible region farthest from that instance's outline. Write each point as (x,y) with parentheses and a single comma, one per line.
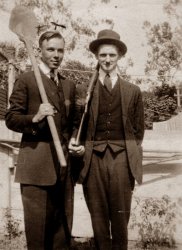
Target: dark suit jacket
(133,122)
(37,160)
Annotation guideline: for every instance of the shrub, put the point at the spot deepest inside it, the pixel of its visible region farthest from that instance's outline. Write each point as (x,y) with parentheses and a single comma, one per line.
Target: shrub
(77,72)
(13,237)
(159,105)
(12,226)
(154,219)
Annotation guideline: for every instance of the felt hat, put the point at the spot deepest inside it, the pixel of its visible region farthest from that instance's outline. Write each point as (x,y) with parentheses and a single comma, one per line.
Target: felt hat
(108,37)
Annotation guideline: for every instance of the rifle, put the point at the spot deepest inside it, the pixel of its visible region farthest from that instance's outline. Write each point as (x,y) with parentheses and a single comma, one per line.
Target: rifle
(87,99)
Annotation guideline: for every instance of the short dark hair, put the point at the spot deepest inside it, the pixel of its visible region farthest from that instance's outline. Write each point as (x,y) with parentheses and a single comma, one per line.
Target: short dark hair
(49,35)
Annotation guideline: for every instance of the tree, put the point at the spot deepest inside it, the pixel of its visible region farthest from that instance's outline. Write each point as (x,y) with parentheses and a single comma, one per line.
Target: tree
(77,31)
(165,61)
(164,57)
(48,11)
(174,10)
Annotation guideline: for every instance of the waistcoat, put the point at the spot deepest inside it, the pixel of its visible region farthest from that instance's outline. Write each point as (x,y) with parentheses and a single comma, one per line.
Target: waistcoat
(109,122)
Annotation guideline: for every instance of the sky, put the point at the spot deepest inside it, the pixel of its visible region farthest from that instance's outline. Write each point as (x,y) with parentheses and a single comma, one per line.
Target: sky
(128,17)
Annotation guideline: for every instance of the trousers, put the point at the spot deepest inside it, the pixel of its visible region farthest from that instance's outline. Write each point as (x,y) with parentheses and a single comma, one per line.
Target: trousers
(108,192)
(47,220)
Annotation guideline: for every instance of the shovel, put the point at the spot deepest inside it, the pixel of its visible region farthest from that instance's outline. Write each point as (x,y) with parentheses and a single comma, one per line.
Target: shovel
(24,24)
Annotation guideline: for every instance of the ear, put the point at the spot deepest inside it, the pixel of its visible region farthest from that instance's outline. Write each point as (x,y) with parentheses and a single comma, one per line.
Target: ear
(39,50)
(120,56)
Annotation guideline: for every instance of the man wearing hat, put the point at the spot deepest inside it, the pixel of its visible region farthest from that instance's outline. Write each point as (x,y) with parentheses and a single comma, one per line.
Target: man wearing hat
(112,153)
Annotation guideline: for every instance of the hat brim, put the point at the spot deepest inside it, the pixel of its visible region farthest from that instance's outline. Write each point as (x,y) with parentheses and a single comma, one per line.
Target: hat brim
(96,43)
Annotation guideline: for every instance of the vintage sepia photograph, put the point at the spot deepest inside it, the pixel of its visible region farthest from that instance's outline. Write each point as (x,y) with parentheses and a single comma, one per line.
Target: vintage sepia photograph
(91,125)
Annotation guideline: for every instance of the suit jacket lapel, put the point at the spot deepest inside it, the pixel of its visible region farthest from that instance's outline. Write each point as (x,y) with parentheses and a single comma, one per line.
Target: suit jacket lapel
(95,102)
(125,98)
(51,91)
(66,91)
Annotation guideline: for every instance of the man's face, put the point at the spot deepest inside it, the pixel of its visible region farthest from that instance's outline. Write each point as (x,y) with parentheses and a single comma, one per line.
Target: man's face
(52,52)
(108,57)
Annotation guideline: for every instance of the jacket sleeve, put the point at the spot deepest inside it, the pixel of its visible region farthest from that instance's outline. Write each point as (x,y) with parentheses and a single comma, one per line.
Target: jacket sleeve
(138,124)
(17,117)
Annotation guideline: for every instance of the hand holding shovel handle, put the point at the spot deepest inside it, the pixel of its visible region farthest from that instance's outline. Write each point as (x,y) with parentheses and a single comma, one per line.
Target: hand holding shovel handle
(23,23)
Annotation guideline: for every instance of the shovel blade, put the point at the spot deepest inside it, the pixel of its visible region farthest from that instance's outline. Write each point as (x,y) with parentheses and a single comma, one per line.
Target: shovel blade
(24,23)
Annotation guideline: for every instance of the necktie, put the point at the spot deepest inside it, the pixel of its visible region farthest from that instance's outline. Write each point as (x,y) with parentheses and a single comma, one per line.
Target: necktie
(107,82)
(53,76)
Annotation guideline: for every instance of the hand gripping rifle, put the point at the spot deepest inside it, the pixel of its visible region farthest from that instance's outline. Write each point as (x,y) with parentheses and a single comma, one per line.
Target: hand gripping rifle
(87,99)
(24,23)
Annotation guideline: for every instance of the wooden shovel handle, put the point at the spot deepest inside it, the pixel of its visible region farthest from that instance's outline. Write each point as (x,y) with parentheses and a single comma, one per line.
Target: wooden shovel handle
(44,98)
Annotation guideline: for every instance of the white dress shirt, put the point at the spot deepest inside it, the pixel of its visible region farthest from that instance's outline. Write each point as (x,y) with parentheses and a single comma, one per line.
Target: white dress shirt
(113,76)
(46,70)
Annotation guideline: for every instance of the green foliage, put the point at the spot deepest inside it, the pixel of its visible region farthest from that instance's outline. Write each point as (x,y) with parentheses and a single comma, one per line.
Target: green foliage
(3,75)
(159,105)
(17,55)
(82,29)
(164,61)
(77,31)
(3,4)
(173,9)
(12,226)
(164,56)
(77,72)
(165,91)
(13,237)
(8,50)
(3,89)
(3,85)
(105,1)
(81,74)
(155,220)
(22,54)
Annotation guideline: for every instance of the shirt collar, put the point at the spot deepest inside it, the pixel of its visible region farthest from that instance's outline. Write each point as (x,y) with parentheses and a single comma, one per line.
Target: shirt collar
(113,75)
(45,69)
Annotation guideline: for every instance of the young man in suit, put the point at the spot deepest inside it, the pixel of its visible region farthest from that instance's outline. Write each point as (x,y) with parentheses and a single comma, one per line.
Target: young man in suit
(112,155)
(47,191)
